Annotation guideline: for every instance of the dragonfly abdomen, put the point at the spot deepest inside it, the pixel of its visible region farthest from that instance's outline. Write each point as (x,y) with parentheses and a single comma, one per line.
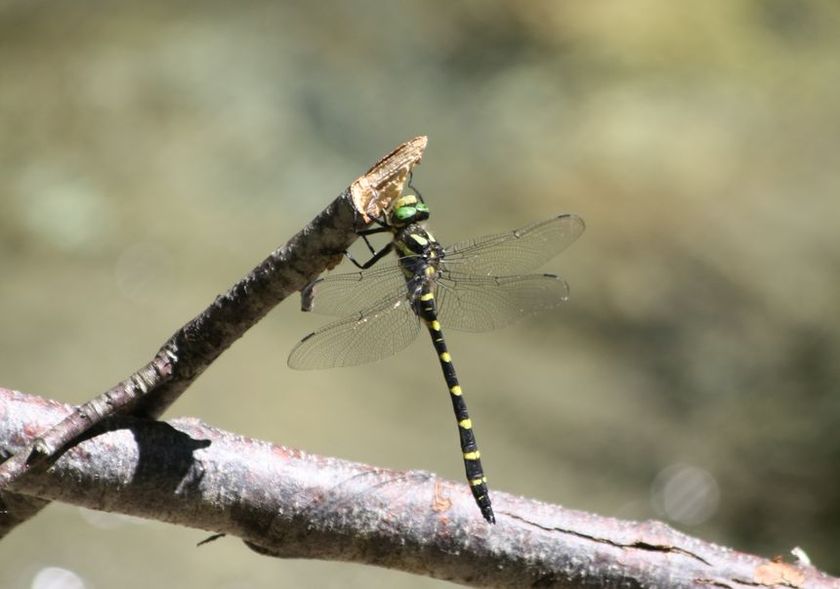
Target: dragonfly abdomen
(426,310)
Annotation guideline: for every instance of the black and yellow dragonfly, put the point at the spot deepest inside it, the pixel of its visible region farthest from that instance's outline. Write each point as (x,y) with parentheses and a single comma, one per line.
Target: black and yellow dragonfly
(476,285)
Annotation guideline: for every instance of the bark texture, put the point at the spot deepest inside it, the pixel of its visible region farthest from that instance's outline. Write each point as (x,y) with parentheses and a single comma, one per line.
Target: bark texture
(291,504)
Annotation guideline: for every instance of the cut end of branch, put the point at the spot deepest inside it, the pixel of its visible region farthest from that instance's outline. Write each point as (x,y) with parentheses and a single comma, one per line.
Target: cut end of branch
(373,193)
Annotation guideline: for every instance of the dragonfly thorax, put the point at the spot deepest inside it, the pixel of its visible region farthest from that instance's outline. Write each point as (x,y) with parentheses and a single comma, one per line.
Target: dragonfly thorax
(420,254)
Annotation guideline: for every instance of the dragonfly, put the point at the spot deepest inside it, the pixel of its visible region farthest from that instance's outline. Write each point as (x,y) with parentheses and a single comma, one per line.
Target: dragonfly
(475,285)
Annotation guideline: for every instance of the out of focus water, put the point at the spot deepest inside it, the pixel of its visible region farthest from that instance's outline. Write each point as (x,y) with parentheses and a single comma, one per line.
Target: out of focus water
(152,153)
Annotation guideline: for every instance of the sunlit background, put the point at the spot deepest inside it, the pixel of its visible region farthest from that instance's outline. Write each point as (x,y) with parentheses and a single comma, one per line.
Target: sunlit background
(152,153)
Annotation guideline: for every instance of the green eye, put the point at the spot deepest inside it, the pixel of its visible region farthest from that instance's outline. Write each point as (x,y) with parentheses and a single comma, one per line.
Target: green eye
(421,207)
(404,213)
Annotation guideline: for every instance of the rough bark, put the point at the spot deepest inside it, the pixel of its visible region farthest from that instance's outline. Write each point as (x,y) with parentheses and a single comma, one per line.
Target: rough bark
(292,504)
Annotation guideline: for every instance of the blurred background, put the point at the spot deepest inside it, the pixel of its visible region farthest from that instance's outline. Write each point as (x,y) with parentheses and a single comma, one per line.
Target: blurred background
(152,153)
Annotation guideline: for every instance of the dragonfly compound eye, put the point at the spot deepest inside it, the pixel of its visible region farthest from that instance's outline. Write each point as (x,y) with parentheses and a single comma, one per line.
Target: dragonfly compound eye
(405,213)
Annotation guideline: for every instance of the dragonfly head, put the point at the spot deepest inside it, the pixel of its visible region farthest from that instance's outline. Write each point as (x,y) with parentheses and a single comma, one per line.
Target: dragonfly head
(408,209)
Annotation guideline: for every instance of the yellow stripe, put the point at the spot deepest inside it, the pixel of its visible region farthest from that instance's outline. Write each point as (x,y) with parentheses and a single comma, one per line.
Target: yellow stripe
(446,357)
(435,325)
(465,424)
(427,297)
(472,455)
(456,390)
(419,239)
(477,482)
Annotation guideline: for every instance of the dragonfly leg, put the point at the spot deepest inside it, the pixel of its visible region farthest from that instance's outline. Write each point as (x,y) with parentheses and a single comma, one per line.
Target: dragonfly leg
(371,249)
(373,230)
(413,187)
(376,257)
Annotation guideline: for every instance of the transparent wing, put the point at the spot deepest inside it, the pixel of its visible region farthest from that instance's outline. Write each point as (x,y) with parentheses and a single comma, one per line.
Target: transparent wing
(482,303)
(346,294)
(372,334)
(507,253)
(514,252)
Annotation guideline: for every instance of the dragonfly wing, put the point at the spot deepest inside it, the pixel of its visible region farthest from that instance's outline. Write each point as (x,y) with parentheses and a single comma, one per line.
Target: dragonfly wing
(514,252)
(482,303)
(366,336)
(346,294)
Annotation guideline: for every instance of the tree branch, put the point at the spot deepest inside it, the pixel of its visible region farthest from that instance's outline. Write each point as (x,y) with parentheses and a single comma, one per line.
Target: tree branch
(291,504)
(153,388)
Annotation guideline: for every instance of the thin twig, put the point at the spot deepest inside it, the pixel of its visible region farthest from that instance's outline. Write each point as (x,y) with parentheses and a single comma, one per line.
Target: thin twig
(291,504)
(153,388)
